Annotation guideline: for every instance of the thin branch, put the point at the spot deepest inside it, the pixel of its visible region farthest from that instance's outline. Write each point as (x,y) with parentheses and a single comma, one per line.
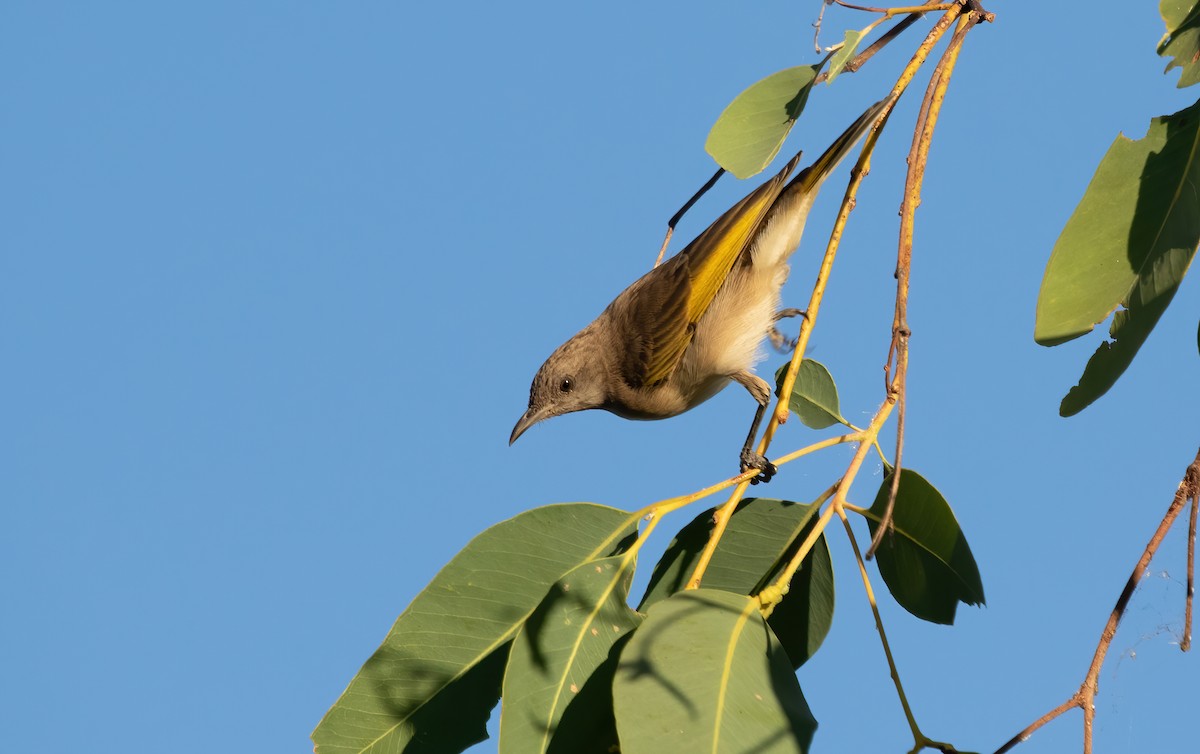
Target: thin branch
(683,210)
(918,156)
(1085,697)
(920,740)
(1186,643)
(887,650)
(889,12)
(861,58)
(817,25)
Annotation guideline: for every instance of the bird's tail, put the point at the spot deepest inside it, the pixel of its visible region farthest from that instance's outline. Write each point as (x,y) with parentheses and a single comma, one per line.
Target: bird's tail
(810,179)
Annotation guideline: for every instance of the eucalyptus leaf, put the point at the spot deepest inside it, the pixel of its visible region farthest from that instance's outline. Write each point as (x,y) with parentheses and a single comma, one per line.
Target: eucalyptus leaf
(589,725)
(1128,245)
(844,54)
(759,541)
(704,673)
(926,561)
(1182,41)
(401,699)
(814,396)
(559,647)
(752,128)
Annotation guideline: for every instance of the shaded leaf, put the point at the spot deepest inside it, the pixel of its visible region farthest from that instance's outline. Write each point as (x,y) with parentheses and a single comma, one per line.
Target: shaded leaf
(814,396)
(926,562)
(715,678)
(1128,244)
(761,537)
(589,726)
(1182,41)
(749,133)
(560,645)
(472,608)
(843,55)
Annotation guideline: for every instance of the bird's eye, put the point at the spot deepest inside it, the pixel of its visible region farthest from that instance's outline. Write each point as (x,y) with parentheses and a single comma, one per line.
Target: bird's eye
(567,385)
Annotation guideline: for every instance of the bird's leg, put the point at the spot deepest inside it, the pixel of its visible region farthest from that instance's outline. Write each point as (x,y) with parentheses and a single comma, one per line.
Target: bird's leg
(750,459)
(779,341)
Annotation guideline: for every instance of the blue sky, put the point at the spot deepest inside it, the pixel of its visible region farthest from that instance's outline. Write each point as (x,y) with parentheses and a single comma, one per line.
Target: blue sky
(275,278)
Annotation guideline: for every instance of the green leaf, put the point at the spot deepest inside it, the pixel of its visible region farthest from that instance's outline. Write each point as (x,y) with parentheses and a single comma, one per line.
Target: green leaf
(1182,40)
(400,700)
(761,537)
(705,673)
(559,647)
(589,725)
(926,563)
(1128,244)
(814,397)
(844,54)
(752,128)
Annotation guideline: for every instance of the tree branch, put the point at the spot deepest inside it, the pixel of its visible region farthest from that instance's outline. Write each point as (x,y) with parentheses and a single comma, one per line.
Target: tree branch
(1085,697)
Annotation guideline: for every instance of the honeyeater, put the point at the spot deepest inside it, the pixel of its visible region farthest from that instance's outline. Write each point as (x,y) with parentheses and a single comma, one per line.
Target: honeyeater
(684,330)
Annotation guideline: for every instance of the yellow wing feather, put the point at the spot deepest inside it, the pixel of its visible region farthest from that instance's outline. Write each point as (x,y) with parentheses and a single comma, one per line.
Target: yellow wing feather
(706,262)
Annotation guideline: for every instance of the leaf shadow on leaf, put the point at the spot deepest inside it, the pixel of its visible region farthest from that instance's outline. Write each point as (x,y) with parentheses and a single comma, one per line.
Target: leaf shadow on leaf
(683,620)
(796,104)
(783,682)
(535,623)
(456,717)
(746,567)
(639,667)
(588,724)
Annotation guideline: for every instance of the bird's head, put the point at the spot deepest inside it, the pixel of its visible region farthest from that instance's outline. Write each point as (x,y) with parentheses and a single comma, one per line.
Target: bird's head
(574,378)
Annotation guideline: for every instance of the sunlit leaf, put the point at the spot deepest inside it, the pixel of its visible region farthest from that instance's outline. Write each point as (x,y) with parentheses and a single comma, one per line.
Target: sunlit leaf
(414,688)
(752,128)
(814,397)
(1128,244)
(844,54)
(558,648)
(926,562)
(704,673)
(759,541)
(1182,41)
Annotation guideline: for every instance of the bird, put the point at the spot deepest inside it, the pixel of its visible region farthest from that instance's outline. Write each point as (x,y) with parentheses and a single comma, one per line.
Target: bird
(695,323)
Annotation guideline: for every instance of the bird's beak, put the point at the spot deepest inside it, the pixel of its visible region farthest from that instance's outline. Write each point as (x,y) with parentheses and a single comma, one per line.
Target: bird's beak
(527,420)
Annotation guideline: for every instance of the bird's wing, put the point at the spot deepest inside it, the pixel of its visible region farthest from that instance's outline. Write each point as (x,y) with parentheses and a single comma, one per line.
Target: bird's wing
(659,312)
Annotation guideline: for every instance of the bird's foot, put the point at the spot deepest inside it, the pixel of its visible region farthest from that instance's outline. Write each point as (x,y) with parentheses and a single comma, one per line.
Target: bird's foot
(752,460)
(780,342)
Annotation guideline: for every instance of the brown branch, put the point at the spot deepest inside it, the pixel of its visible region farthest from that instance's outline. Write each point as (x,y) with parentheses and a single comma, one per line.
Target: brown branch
(1085,697)
(887,11)
(817,25)
(1186,643)
(918,156)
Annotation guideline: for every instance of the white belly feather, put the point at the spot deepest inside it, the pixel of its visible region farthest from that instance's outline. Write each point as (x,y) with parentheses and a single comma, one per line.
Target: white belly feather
(730,334)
